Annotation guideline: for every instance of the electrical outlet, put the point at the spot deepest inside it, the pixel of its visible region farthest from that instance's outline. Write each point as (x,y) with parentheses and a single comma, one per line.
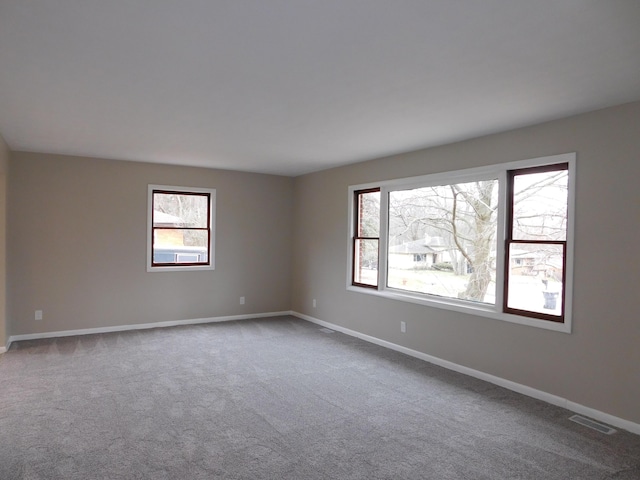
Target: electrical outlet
(241,300)
(314,303)
(38,315)
(403,327)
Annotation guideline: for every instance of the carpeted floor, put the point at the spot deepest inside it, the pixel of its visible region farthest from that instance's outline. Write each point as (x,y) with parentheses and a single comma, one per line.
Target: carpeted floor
(276,398)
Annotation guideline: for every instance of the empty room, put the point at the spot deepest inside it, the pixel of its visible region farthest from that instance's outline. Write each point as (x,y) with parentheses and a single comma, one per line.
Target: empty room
(304,239)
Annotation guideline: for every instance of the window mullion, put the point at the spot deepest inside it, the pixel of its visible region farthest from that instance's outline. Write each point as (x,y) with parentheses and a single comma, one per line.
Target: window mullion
(501,235)
(383,244)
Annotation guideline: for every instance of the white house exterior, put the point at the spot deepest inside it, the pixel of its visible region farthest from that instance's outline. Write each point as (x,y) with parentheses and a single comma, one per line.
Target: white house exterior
(419,254)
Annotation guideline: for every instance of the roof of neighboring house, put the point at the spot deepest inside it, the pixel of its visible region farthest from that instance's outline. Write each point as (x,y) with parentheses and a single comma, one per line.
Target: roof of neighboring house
(543,259)
(424,245)
(161,218)
(516,252)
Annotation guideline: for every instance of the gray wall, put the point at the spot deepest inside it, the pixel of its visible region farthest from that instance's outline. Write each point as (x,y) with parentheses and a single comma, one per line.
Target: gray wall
(77,245)
(4,165)
(598,365)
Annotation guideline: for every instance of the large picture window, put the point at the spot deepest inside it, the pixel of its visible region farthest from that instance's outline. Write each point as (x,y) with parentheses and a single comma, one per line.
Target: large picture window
(181,228)
(442,240)
(494,241)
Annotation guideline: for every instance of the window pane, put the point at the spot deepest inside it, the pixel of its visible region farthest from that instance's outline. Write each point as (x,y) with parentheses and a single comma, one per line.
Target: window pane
(180,237)
(442,240)
(180,246)
(540,206)
(369,214)
(366,262)
(535,277)
(180,210)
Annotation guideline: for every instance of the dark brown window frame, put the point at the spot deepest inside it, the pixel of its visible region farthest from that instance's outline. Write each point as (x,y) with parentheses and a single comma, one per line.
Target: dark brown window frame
(509,241)
(184,192)
(356,237)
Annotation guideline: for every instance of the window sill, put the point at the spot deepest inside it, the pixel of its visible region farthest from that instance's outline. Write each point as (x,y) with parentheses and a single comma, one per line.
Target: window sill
(464,307)
(186,268)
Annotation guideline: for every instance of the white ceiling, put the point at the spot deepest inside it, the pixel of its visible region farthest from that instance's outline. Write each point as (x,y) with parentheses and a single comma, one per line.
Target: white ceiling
(294,86)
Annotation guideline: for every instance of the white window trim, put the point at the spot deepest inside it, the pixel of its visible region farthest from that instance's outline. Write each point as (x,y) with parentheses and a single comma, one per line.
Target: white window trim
(212,211)
(472,174)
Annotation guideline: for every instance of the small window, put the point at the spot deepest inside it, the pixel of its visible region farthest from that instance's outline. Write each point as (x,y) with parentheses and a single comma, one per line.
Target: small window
(367,238)
(536,242)
(180,228)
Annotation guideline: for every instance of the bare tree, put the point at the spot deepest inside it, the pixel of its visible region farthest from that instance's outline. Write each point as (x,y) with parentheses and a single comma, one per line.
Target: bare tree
(477,251)
(465,216)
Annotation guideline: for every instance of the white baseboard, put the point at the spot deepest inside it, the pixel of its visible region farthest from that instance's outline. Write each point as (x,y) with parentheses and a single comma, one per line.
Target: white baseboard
(139,326)
(508,384)
(3,349)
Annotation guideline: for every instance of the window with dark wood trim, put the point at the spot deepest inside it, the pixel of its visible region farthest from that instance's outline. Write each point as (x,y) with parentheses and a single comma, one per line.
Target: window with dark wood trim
(536,242)
(181,228)
(494,241)
(366,238)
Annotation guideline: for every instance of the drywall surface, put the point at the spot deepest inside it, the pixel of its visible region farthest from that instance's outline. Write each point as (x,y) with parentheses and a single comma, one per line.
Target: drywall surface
(598,364)
(77,245)
(4,165)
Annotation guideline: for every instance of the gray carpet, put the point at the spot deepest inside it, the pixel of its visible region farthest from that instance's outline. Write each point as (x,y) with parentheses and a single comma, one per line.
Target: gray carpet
(276,398)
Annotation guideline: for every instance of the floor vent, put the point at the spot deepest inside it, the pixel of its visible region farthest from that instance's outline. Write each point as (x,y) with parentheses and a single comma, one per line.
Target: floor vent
(326,330)
(593,425)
